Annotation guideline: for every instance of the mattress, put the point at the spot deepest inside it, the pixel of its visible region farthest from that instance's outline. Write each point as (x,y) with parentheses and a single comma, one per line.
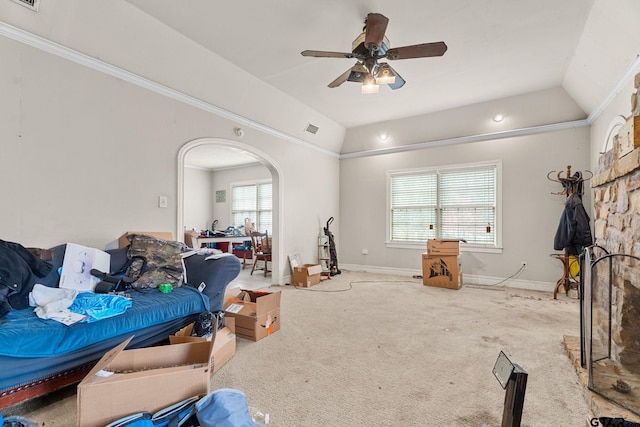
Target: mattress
(32,348)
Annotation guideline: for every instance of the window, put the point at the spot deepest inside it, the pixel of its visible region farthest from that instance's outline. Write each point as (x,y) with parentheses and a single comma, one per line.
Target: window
(252,201)
(457,202)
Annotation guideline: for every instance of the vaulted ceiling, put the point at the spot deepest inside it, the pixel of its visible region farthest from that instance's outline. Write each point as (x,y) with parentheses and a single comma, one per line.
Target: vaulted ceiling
(496,48)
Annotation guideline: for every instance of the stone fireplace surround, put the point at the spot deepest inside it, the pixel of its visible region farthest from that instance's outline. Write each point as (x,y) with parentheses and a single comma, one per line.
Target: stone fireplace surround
(616,190)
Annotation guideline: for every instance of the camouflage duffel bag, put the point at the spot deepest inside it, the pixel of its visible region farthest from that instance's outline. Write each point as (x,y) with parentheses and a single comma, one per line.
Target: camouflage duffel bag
(163,261)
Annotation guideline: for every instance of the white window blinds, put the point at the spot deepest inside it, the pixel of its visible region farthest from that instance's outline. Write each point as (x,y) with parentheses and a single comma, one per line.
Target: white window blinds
(413,207)
(252,201)
(448,204)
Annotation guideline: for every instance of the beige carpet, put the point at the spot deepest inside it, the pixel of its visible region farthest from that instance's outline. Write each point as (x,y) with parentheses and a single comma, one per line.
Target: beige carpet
(372,350)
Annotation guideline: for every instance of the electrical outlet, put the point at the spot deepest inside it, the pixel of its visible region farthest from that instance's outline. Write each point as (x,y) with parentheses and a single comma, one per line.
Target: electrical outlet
(524,265)
(365,252)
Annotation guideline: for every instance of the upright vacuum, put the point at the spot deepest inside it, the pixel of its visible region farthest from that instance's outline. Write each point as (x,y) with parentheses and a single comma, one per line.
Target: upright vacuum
(333,263)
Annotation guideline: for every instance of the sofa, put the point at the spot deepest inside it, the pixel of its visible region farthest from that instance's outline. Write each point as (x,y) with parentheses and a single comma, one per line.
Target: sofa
(40,355)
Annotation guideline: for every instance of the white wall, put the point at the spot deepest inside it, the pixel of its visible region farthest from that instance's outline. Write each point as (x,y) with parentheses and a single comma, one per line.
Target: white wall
(84,157)
(530,212)
(120,34)
(199,198)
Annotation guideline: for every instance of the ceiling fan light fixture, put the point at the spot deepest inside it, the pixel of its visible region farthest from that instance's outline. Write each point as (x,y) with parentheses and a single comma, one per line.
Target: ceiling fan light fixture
(384,75)
(369,47)
(369,88)
(369,85)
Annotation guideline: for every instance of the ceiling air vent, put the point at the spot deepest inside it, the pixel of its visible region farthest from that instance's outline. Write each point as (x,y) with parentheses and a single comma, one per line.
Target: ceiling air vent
(311,128)
(31,4)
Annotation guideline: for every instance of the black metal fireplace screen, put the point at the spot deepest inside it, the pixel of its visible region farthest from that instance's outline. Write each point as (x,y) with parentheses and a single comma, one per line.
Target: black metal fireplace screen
(610,327)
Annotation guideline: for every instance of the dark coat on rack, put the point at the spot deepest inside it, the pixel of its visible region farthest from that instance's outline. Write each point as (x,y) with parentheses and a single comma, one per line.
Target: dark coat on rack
(573,231)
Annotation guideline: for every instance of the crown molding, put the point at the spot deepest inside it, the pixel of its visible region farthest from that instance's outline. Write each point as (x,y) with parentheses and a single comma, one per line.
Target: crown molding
(470,138)
(49,46)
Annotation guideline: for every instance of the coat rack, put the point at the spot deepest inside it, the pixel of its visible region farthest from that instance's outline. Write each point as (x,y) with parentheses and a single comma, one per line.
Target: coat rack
(571,184)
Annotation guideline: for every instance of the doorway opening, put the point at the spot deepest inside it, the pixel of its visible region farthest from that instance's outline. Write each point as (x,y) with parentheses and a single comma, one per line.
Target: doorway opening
(261,158)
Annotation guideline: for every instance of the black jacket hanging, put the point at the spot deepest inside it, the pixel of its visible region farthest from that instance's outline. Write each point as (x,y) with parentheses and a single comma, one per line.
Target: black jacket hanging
(573,231)
(19,271)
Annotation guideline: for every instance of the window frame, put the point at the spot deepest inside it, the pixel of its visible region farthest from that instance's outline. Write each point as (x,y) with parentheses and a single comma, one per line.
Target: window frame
(496,248)
(256,182)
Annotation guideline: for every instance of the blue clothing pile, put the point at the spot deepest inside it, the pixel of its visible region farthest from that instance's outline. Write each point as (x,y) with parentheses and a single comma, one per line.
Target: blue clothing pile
(99,306)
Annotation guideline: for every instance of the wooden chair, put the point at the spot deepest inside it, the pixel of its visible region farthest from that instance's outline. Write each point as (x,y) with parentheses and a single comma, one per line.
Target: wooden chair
(243,252)
(261,246)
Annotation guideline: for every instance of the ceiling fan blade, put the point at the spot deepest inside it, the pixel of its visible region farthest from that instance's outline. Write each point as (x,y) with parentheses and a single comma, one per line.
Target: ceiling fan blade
(399,80)
(341,79)
(376,25)
(356,69)
(417,51)
(323,54)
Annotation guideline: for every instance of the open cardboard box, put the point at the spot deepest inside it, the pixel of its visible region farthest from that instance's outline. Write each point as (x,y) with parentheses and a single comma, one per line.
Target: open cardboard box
(224,342)
(442,247)
(307,275)
(124,382)
(257,313)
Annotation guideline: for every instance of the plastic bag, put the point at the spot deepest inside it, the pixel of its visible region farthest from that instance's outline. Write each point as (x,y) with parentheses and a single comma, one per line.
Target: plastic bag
(224,408)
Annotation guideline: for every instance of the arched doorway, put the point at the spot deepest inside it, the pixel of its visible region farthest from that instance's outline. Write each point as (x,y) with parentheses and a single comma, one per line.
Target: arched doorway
(276,177)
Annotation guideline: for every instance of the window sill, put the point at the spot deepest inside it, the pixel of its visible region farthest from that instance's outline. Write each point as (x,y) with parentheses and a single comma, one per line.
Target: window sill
(463,248)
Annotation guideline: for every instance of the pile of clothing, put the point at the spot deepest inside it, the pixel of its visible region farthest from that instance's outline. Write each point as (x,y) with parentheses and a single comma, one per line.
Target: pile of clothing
(20,270)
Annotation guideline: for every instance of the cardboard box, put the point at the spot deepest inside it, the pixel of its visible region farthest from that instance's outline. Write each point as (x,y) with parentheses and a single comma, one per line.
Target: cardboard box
(443,246)
(441,271)
(124,382)
(77,264)
(307,275)
(257,313)
(224,342)
(124,241)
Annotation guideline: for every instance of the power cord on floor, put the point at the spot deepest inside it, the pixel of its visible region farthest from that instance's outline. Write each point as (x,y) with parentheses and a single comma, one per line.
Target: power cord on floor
(513,276)
(351,285)
(301,288)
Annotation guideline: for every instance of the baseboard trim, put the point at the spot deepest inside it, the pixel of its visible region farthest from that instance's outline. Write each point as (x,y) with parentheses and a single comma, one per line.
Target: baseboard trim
(471,279)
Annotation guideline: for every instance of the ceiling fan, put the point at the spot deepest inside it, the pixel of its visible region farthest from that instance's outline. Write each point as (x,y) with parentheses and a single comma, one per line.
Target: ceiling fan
(371,46)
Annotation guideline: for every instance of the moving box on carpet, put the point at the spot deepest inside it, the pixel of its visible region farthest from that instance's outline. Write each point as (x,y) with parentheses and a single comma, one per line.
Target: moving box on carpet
(442,247)
(124,382)
(307,275)
(257,313)
(441,271)
(224,342)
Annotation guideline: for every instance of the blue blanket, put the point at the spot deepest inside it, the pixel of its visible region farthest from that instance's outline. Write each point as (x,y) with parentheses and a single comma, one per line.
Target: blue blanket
(24,335)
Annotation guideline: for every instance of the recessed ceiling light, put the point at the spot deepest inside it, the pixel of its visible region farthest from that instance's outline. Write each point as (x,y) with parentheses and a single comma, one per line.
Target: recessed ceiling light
(498,117)
(384,136)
